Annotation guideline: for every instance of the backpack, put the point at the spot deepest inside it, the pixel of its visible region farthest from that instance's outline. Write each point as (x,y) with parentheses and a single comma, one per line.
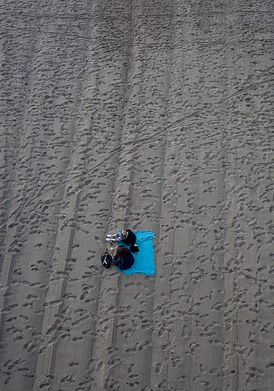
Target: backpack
(106,259)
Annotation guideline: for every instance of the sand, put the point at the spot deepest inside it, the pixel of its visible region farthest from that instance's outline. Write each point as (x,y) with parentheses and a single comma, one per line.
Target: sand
(148,115)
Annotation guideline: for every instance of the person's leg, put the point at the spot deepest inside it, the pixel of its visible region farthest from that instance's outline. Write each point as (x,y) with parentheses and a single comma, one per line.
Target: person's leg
(113,236)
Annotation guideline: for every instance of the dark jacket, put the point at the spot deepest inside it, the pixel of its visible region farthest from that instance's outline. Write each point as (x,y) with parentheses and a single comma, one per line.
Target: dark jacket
(130,239)
(123,263)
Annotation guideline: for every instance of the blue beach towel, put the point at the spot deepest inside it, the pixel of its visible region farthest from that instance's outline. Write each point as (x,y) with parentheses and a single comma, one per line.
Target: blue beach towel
(144,258)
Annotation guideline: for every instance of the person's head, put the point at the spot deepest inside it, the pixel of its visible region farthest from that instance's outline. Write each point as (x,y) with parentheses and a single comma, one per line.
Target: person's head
(122,251)
(123,233)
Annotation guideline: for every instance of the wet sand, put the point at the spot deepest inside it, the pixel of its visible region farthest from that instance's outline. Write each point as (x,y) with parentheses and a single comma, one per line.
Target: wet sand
(154,115)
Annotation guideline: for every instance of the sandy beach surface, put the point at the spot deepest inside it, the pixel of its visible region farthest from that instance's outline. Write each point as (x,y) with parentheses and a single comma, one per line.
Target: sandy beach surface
(148,115)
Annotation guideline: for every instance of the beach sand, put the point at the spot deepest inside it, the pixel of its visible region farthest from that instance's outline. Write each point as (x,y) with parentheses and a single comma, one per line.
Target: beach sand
(148,115)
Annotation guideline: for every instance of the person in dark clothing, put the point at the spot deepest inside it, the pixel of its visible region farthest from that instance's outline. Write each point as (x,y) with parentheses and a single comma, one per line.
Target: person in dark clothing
(128,237)
(130,240)
(123,258)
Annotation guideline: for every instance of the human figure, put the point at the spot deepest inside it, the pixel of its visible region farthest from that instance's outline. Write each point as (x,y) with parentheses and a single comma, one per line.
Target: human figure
(128,237)
(116,237)
(123,258)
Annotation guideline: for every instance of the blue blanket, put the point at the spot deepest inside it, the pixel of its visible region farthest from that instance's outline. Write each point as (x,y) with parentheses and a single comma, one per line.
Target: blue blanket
(144,258)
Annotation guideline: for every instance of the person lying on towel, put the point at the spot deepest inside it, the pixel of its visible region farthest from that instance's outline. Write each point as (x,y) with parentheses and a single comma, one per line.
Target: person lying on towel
(123,258)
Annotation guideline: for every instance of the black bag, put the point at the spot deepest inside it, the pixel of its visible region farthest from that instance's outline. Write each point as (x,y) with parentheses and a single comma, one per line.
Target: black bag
(134,248)
(106,259)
